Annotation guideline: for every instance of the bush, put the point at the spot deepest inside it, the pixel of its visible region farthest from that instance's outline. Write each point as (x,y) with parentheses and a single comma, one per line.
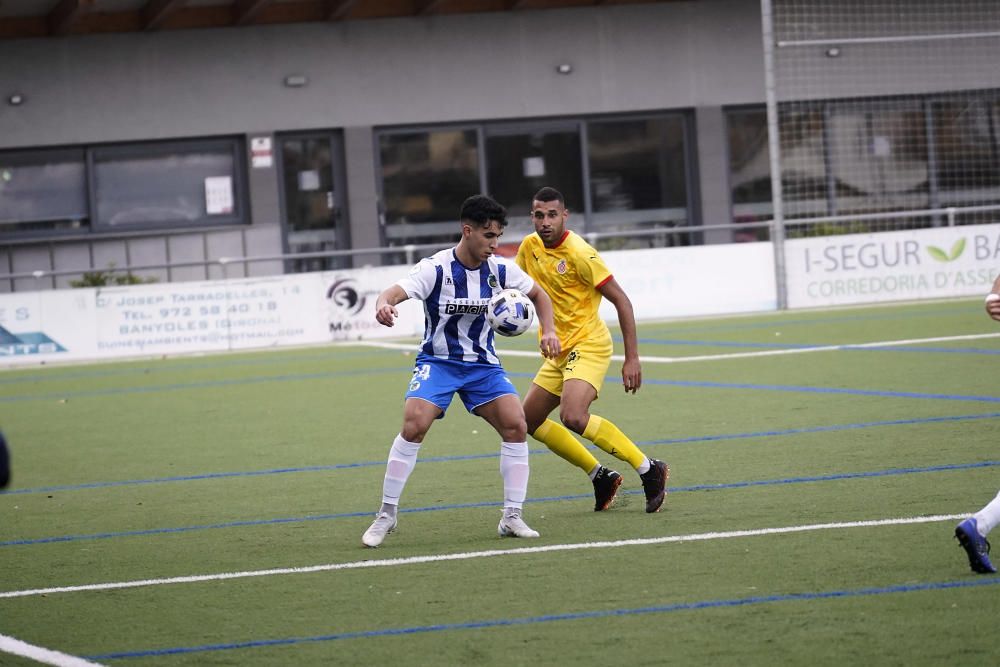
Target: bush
(109,276)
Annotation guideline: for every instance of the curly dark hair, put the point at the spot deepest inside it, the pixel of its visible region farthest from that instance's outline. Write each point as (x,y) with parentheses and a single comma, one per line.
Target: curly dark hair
(481,209)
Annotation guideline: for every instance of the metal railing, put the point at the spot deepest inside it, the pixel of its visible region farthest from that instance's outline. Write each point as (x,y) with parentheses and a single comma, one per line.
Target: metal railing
(660,236)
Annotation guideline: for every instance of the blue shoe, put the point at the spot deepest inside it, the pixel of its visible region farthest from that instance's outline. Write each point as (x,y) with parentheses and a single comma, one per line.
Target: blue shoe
(975,546)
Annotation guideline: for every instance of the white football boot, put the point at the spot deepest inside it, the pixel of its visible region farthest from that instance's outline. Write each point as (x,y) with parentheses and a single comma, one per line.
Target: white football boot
(512,525)
(381,526)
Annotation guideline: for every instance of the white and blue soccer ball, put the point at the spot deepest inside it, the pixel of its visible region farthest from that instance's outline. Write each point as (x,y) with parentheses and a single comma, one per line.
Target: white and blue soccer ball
(510,313)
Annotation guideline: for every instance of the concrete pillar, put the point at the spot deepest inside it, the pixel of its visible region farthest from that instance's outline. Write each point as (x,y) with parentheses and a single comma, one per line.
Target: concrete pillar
(362,196)
(713,172)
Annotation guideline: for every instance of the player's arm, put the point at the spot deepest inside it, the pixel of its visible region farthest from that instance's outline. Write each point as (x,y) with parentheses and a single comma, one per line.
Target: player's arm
(549,341)
(993,300)
(631,369)
(385,305)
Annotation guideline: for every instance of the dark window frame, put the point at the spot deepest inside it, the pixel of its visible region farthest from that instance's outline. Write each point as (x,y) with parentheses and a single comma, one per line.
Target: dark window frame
(581,123)
(236,144)
(36,156)
(926,103)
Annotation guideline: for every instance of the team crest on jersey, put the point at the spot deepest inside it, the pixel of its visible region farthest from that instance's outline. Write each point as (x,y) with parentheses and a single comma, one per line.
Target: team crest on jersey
(561,266)
(492,281)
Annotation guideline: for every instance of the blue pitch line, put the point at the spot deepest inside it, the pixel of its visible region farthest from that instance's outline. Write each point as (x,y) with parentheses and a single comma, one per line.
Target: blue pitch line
(326,375)
(248,473)
(199,385)
(471,457)
(816,429)
(569,616)
(157,366)
(823,390)
(437,508)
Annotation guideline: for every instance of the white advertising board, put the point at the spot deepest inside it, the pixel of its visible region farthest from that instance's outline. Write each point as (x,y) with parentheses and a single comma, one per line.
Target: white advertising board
(892,266)
(699,280)
(35,326)
(350,304)
(175,318)
(205,316)
(312,308)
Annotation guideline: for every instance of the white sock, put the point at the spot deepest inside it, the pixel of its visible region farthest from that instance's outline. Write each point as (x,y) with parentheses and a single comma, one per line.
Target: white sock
(988,517)
(402,458)
(593,473)
(514,468)
(644,466)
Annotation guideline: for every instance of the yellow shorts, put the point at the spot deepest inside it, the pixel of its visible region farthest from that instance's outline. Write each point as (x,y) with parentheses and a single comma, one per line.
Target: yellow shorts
(588,361)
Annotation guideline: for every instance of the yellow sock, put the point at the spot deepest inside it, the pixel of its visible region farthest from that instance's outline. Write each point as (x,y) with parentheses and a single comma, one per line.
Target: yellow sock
(606,435)
(560,440)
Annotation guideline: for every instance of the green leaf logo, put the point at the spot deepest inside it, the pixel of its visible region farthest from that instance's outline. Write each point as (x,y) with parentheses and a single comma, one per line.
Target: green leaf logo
(942,256)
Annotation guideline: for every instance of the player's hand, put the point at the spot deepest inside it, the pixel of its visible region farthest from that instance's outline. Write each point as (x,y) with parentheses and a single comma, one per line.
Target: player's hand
(631,376)
(549,345)
(386,315)
(993,307)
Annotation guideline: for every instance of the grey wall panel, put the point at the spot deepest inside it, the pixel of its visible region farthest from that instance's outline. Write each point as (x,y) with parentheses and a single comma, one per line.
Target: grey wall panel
(148,251)
(187,248)
(713,171)
(263,184)
(110,252)
(6,260)
(262,241)
(362,198)
(382,72)
(226,244)
(70,256)
(32,258)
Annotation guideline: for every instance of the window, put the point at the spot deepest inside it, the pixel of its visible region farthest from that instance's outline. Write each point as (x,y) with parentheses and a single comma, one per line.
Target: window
(967,168)
(638,176)
(43,190)
(168,184)
(637,164)
(522,160)
(134,186)
(618,174)
(425,178)
(314,198)
(879,155)
(803,155)
(848,157)
(749,163)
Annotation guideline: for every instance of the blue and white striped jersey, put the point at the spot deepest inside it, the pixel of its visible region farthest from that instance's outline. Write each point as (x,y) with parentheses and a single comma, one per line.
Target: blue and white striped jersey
(455,299)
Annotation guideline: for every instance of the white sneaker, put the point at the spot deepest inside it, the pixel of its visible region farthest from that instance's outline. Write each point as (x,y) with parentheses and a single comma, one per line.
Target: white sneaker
(381,526)
(514,526)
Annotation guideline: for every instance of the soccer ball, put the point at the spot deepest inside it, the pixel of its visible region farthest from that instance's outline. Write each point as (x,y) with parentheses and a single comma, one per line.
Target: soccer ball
(510,313)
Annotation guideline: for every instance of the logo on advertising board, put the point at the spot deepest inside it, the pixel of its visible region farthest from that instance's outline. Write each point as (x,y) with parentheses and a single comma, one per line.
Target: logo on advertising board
(33,342)
(933,262)
(346,307)
(942,256)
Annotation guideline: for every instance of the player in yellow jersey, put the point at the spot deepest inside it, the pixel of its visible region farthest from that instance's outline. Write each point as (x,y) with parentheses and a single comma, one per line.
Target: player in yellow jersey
(576,278)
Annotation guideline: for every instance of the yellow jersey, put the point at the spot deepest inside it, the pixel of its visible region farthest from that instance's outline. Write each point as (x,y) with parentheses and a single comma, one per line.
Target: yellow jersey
(570,273)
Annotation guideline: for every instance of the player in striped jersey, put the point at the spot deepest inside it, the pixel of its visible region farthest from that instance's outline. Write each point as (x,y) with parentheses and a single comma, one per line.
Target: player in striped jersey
(575,277)
(457,356)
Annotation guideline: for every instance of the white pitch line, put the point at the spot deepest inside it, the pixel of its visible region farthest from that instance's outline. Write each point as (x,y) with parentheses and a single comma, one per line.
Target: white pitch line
(42,655)
(437,558)
(717,357)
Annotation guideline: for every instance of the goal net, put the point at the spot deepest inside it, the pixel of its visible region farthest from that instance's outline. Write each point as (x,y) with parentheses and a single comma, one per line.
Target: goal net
(883,114)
